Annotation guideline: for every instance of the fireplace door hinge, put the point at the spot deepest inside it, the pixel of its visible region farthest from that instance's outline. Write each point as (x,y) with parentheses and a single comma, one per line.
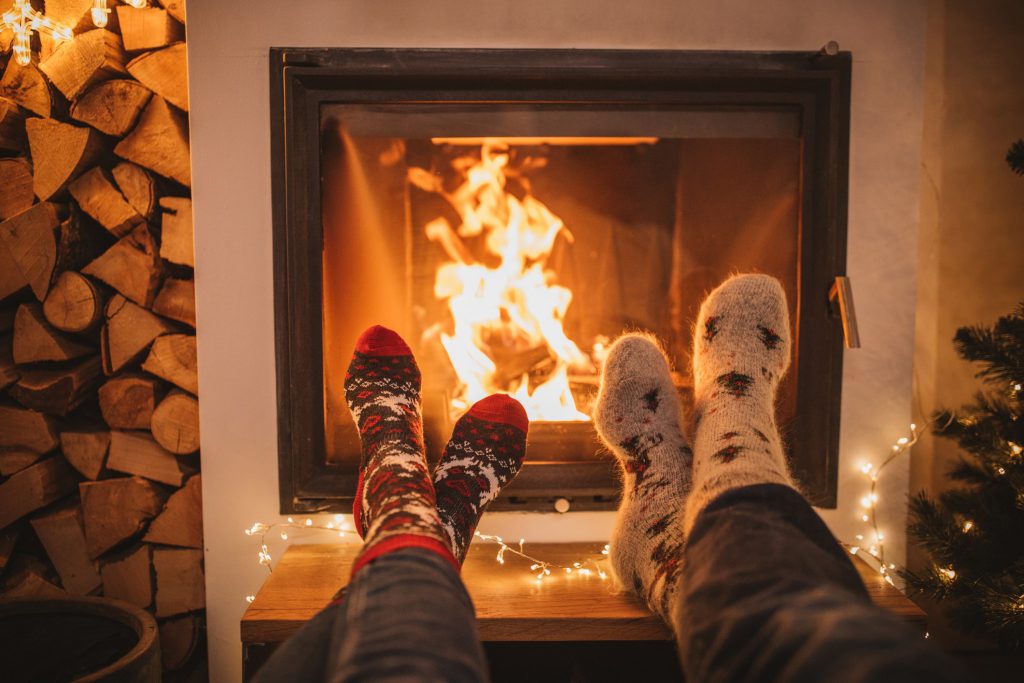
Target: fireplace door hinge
(840,296)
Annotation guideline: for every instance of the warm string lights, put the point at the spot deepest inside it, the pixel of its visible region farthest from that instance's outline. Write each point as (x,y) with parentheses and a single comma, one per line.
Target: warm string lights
(540,569)
(101,13)
(869,507)
(23,20)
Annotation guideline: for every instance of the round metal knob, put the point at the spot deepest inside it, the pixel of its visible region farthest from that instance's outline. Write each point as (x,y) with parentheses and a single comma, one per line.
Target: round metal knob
(562,505)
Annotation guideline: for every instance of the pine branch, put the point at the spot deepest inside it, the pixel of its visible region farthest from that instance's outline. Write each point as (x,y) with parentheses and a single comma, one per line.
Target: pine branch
(999,350)
(1015,157)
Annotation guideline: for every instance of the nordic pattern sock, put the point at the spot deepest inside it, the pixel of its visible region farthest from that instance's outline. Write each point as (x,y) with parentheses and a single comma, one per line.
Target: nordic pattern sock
(484,454)
(637,416)
(740,352)
(395,505)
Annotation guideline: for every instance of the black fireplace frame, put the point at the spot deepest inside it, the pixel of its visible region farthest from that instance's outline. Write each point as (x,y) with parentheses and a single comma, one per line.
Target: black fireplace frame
(302,79)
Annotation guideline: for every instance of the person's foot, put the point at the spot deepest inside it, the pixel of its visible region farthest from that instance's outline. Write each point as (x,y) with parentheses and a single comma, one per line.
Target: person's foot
(484,454)
(395,504)
(741,350)
(637,416)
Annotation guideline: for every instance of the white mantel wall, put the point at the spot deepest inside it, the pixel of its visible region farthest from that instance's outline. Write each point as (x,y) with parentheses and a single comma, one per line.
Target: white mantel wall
(228,42)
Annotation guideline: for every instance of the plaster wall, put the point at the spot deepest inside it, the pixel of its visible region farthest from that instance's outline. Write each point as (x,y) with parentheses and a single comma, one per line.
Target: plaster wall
(228,42)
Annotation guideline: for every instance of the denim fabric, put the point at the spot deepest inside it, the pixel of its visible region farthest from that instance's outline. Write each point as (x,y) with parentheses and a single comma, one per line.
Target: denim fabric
(768,594)
(405,617)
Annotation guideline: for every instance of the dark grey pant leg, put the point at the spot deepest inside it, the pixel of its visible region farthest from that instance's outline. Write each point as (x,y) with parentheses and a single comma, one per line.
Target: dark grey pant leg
(767,594)
(405,617)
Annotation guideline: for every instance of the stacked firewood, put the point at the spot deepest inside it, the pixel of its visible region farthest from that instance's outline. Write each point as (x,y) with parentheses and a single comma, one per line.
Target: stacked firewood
(99,468)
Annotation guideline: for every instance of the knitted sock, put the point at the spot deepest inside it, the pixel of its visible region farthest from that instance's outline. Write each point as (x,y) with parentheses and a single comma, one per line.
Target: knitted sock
(394,505)
(484,454)
(637,416)
(740,352)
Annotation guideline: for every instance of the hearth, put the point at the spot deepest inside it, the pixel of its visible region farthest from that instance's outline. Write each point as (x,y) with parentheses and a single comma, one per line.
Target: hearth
(511,212)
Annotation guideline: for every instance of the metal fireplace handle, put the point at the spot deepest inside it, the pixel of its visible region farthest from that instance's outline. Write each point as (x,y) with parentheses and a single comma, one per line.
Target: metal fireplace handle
(841,292)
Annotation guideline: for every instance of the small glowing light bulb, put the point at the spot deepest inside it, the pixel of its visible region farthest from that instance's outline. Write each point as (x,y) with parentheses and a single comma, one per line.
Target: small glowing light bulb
(309,522)
(250,598)
(968,525)
(284,536)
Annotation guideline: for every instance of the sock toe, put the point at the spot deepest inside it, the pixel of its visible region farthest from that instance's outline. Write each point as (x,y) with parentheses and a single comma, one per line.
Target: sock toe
(634,355)
(380,341)
(637,394)
(501,408)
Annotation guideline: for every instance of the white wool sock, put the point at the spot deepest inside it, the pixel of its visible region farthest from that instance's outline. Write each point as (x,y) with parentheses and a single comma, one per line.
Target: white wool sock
(741,350)
(637,416)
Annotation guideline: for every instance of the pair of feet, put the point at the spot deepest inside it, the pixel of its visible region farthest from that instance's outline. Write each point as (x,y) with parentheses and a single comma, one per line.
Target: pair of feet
(741,350)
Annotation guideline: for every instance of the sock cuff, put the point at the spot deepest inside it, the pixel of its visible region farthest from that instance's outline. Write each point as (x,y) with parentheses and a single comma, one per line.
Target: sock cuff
(399,541)
(501,408)
(380,341)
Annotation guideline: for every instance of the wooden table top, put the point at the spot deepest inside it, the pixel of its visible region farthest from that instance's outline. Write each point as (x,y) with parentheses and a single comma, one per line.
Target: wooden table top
(510,604)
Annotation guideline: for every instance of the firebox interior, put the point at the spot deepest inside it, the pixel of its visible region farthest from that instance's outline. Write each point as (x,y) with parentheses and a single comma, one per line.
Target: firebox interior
(646,210)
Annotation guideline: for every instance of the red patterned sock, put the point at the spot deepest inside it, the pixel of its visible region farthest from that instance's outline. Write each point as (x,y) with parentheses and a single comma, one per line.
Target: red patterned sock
(484,454)
(395,503)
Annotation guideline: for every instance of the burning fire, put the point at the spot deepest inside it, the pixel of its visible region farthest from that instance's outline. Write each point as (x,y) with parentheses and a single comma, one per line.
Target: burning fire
(508,319)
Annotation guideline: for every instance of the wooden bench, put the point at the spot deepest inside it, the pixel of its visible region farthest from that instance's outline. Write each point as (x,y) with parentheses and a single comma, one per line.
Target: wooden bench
(511,606)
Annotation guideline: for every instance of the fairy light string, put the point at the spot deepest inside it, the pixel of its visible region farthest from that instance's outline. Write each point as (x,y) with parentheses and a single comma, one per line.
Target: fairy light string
(22,20)
(540,569)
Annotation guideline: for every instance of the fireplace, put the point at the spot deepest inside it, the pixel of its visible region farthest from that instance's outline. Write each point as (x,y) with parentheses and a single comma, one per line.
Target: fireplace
(511,212)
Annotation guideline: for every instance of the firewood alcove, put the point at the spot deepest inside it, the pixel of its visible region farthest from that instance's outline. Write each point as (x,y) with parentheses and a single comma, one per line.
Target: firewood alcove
(603,190)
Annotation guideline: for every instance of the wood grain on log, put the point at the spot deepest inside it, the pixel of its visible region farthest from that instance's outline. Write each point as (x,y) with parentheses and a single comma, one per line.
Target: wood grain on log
(88,58)
(16,193)
(60,153)
(136,184)
(181,522)
(62,533)
(35,487)
(176,8)
(31,244)
(128,332)
(96,194)
(180,585)
(112,107)
(173,357)
(58,391)
(177,301)
(74,303)
(12,126)
(132,267)
(175,423)
(117,509)
(165,72)
(86,451)
(26,86)
(147,28)
(179,638)
(176,231)
(75,14)
(16,461)
(9,373)
(127,401)
(35,340)
(137,453)
(160,142)
(31,584)
(23,429)
(128,576)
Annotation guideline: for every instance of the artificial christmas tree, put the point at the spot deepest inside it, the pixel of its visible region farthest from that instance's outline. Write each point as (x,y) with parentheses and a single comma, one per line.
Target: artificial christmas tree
(974,534)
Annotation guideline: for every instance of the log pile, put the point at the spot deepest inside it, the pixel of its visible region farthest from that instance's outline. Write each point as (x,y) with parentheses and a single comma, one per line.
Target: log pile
(100,489)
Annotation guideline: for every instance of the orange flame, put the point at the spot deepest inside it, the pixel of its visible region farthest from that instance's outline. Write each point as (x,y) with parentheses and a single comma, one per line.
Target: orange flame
(512,309)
